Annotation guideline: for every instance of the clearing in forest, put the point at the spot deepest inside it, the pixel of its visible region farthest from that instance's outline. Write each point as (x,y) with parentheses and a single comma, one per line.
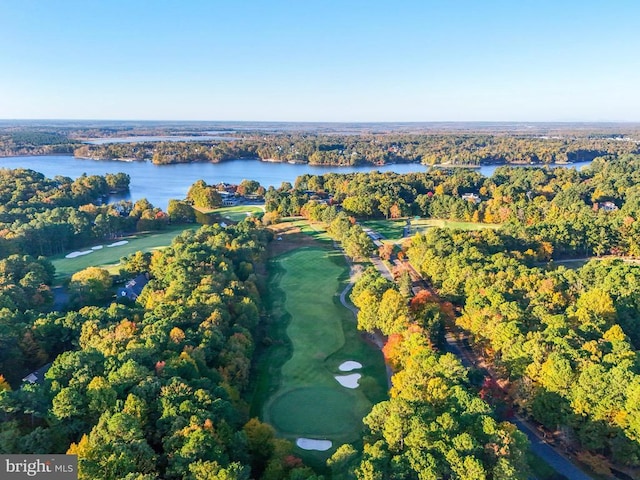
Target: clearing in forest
(310,336)
(236,213)
(394,230)
(110,253)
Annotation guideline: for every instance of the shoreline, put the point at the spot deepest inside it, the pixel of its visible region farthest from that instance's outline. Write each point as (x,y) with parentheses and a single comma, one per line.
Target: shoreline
(290,162)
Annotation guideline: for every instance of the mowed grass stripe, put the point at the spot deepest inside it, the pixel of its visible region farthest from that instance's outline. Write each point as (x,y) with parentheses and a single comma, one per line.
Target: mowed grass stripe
(308,401)
(315,329)
(145,242)
(239,212)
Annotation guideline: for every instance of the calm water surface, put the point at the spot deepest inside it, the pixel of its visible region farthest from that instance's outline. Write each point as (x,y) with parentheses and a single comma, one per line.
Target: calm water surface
(160,183)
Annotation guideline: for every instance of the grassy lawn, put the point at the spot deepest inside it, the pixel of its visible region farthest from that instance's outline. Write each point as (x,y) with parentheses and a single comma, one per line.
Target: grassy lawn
(389,229)
(238,212)
(420,226)
(541,470)
(393,229)
(310,334)
(109,257)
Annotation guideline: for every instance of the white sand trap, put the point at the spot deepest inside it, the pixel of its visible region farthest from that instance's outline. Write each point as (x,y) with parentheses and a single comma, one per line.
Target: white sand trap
(349,381)
(78,254)
(349,365)
(311,444)
(97,247)
(118,244)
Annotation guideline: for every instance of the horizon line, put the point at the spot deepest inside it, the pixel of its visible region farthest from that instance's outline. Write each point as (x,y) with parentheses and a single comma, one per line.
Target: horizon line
(320,121)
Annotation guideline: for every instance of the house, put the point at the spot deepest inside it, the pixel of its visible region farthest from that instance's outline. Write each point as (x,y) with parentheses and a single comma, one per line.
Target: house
(228,199)
(133,288)
(38,375)
(471,197)
(608,206)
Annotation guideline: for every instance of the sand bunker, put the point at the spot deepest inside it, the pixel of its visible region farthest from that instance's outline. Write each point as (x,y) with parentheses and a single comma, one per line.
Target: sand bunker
(117,244)
(349,381)
(97,247)
(78,254)
(311,444)
(349,365)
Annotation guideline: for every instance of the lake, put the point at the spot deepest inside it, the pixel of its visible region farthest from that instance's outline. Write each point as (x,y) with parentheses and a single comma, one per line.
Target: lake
(159,183)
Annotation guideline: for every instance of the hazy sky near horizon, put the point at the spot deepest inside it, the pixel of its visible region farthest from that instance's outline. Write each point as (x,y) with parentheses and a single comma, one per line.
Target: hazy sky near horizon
(320,60)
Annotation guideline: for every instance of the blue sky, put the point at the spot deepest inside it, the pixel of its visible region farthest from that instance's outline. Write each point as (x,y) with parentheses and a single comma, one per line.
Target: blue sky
(321,60)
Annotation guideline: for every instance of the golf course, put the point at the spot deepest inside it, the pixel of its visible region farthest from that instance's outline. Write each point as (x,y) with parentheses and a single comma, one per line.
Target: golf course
(393,230)
(318,378)
(110,253)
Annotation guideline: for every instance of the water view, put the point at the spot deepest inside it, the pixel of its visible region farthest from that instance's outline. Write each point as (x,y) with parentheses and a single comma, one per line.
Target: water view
(160,183)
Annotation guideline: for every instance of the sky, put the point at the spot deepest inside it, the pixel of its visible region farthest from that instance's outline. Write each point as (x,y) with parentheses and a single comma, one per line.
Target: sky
(320,60)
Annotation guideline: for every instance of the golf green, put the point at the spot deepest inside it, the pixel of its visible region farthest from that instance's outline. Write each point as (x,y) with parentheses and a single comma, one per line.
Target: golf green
(314,411)
(311,334)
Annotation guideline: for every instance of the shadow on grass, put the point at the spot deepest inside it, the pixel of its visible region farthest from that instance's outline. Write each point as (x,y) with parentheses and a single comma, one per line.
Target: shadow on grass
(274,347)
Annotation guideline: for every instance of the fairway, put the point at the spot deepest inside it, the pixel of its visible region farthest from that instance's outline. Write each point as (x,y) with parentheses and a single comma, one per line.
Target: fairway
(393,229)
(238,213)
(305,399)
(389,229)
(420,226)
(108,256)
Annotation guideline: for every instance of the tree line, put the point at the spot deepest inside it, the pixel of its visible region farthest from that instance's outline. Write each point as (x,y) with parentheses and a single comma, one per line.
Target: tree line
(44,216)
(35,142)
(155,389)
(434,425)
(370,149)
(566,341)
(562,212)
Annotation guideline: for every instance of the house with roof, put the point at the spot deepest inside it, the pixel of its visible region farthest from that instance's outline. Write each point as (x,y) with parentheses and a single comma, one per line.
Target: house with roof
(133,288)
(37,376)
(606,206)
(471,197)
(228,199)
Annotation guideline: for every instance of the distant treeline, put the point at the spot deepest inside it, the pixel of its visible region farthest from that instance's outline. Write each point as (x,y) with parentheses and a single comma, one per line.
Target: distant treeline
(35,143)
(437,147)
(348,150)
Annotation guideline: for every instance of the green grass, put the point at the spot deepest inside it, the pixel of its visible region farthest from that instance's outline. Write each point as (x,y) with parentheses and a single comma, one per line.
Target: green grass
(393,229)
(310,334)
(420,226)
(110,257)
(389,229)
(238,212)
(316,230)
(541,470)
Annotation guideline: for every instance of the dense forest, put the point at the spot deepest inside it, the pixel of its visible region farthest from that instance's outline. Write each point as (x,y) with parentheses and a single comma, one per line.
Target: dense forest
(35,142)
(160,387)
(565,340)
(43,216)
(434,425)
(453,149)
(155,389)
(371,145)
(557,212)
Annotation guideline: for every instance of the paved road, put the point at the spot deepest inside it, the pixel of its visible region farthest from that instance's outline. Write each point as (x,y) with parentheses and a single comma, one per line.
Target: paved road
(554,459)
(542,449)
(343,296)
(382,268)
(550,455)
